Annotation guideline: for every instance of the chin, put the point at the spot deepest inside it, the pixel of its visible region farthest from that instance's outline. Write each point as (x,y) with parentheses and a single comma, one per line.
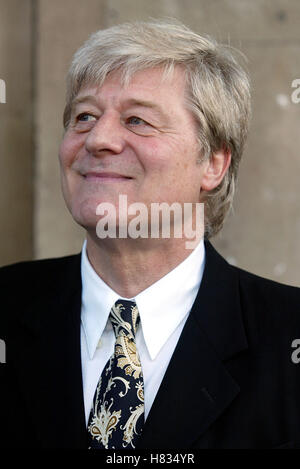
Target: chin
(88,223)
(85,214)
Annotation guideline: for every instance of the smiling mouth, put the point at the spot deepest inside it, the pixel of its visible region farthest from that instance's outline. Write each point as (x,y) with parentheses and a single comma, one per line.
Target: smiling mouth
(106,176)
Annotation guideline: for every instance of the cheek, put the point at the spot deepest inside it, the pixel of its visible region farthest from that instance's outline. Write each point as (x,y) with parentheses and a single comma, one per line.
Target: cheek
(68,151)
(155,156)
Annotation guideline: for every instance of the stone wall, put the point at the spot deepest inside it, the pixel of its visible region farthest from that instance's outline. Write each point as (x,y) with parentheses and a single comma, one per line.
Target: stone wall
(37,40)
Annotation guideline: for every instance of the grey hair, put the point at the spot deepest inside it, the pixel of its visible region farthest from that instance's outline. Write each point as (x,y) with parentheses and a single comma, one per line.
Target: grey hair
(218,89)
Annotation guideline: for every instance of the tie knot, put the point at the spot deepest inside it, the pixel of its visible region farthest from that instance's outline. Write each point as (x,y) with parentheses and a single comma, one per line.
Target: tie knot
(125,318)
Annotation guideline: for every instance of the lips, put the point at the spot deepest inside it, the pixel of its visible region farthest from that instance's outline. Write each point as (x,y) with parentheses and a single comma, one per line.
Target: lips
(105,176)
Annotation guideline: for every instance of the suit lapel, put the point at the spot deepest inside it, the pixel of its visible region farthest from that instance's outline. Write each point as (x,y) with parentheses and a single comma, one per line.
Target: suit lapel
(51,362)
(197,388)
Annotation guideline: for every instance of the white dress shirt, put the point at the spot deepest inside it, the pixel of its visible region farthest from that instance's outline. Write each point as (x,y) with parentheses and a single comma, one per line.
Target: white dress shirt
(163,307)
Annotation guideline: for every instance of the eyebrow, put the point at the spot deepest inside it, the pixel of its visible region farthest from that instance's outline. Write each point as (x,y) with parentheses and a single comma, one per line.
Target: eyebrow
(83,99)
(128,102)
(143,103)
(148,104)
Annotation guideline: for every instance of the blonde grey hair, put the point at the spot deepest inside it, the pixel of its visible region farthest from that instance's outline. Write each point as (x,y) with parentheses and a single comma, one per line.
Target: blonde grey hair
(218,90)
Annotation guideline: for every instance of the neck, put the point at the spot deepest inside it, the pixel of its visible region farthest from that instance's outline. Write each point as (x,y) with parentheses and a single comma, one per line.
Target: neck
(129,266)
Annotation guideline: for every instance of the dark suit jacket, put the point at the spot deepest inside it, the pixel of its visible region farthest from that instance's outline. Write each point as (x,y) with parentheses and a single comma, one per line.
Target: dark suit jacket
(231,382)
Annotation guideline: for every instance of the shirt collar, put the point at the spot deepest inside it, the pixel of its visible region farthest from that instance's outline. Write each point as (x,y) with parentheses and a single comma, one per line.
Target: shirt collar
(162,306)
(97,300)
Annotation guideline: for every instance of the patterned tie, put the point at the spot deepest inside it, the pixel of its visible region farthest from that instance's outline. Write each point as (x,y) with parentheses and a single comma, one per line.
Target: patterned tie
(117,415)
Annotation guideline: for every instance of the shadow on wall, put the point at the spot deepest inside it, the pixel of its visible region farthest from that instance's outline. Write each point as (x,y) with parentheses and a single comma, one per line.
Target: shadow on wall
(2,351)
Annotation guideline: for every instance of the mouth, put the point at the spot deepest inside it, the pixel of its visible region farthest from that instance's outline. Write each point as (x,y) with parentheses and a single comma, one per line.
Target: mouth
(105,176)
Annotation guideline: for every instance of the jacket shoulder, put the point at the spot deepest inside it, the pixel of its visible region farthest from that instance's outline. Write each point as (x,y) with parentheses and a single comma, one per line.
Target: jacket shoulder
(27,271)
(271,309)
(26,283)
(266,289)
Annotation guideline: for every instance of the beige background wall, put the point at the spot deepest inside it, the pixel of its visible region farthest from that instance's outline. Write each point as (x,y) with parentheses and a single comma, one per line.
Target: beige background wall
(16,131)
(37,40)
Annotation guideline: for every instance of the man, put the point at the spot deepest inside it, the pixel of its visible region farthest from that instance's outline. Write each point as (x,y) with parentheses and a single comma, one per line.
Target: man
(139,342)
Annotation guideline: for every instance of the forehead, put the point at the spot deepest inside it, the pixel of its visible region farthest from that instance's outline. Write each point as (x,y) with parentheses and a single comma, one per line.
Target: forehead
(154,84)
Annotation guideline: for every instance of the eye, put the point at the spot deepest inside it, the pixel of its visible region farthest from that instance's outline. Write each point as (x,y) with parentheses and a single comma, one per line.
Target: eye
(85,117)
(139,126)
(134,120)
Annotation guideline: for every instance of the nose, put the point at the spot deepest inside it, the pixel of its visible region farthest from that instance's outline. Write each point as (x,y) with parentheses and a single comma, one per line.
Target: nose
(105,136)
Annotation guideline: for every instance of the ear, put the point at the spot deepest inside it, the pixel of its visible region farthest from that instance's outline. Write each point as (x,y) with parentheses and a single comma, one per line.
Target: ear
(214,169)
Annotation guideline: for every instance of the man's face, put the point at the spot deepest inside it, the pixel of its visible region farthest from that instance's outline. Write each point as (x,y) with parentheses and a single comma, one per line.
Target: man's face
(139,141)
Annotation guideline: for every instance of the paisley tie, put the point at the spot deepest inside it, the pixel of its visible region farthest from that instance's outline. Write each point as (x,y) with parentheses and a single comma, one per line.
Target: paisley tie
(117,415)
